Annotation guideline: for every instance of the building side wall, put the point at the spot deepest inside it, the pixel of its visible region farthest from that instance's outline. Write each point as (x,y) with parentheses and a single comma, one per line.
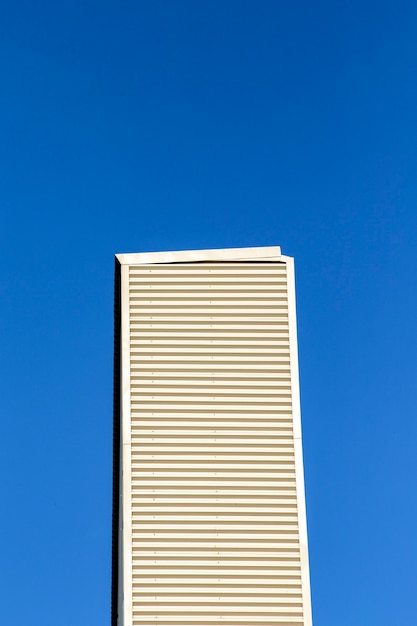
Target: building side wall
(213,498)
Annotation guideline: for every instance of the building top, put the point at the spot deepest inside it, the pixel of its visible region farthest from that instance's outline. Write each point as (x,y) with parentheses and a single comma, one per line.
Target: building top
(264,253)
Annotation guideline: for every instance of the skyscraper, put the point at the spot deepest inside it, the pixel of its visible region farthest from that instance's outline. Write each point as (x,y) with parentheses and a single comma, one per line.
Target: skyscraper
(209,521)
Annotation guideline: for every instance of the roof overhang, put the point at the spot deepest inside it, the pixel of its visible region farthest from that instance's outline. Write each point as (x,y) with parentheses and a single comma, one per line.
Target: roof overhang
(264,253)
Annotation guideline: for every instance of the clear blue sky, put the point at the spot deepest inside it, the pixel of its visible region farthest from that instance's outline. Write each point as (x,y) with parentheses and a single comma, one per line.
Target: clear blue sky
(153,125)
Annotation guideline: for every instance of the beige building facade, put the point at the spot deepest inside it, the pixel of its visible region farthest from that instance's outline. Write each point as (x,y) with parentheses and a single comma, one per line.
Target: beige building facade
(209,519)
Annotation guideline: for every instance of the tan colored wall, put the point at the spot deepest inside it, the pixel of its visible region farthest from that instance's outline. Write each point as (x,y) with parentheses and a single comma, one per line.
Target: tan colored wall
(213,499)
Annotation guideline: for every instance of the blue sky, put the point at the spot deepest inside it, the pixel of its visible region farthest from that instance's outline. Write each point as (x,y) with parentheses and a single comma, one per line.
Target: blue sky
(139,126)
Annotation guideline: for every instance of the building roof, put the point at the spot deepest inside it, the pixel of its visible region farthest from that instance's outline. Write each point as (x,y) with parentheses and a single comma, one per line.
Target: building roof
(264,253)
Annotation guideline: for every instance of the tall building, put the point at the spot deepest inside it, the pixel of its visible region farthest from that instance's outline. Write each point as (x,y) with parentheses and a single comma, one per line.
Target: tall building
(209,520)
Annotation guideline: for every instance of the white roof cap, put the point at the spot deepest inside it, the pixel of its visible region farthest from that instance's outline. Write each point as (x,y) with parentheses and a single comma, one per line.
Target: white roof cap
(265,253)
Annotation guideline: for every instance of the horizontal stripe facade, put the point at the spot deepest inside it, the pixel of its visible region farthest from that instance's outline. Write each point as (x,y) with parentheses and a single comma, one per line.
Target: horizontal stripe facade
(211,517)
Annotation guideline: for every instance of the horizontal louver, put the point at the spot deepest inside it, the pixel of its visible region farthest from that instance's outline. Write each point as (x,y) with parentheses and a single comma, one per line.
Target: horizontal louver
(213,492)
(214,527)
